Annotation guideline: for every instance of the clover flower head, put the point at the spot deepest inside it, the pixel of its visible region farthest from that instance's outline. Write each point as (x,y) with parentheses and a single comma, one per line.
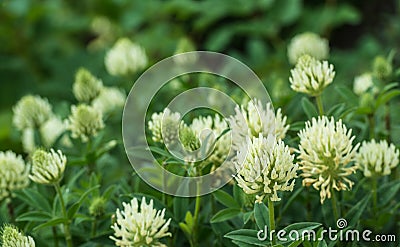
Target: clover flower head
(125,58)
(140,226)
(165,126)
(12,237)
(31,112)
(47,167)
(308,44)
(13,174)
(98,206)
(326,155)
(254,119)
(377,158)
(189,140)
(86,86)
(265,166)
(311,76)
(109,100)
(85,121)
(382,68)
(28,140)
(51,130)
(363,83)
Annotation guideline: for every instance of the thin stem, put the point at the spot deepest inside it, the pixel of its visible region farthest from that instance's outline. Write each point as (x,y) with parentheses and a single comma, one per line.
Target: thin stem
(271,218)
(320,105)
(54,230)
(10,209)
(371,120)
(67,232)
(94,226)
(196,216)
(334,206)
(375,194)
(387,122)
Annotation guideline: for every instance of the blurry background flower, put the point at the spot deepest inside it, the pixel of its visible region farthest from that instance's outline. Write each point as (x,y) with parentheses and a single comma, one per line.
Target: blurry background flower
(12,237)
(382,68)
(363,83)
(47,167)
(86,86)
(84,122)
(31,112)
(377,158)
(109,100)
(164,126)
(97,207)
(125,58)
(185,45)
(326,156)
(13,174)
(140,226)
(311,76)
(264,167)
(308,44)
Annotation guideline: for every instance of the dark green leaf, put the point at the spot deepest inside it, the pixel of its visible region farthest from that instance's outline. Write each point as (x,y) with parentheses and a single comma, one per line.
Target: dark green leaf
(309,108)
(34,216)
(261,215)
(225,199)
(225,214)
(248,236)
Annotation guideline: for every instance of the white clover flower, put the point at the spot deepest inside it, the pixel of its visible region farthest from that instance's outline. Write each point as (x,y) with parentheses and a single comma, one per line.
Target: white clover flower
(51,130)
(125,58)
(165,126)
(311,76)
(84,122)
(31,112)
(377,159)
(308,44)
(254,119)
(326,154)
(110,99)
(265,166)
(140,227)
(12,237)
(363,83)
(86,86)
(47,167)
(28,140)
(13,174)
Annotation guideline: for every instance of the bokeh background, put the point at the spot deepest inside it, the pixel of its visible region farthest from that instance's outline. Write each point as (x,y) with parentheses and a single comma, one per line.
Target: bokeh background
(44,42)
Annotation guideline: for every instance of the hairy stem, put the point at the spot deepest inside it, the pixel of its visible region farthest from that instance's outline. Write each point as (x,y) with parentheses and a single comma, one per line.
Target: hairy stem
(67,232)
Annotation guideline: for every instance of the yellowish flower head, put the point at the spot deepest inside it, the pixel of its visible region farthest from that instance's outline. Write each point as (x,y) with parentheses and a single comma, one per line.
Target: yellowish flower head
(308,44)
(12,237)
(86,86)
(47,167)
(31,112)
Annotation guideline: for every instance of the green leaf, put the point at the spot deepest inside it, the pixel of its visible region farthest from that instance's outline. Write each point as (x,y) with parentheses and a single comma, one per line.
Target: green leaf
(52,222)
(189,220)
(225,214)
(34,216)
(75,207)
(248,236)
(347,94)
(386,97)
(387,191)
(261,215)
(33,198)
(309,108)
(300,228)
(322,244)
(354,214)
(225,199)
(186,230)
(247,216)
(296,243)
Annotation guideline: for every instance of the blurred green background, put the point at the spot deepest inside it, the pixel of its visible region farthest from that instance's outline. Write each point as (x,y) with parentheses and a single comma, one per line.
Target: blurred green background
(44,42)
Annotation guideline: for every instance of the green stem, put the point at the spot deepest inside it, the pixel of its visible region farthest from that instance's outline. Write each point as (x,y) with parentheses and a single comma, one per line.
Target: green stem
(94,226)
(320,105)
(371,120)
(67,232)
(387,122)
(375,194)
(334,206)
(271,218)
(196,216)
(54,230)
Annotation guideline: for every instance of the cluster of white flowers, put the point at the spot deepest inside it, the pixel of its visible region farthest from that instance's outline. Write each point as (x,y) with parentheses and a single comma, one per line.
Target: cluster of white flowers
(86,86)
(140,227)
(363,83)
(308,44)
(125,58)
(311,76)
(377,158)
(84,122)
(254,119)
(265,166)
(13,174)
(165,126)
(109,100)
(12,237)
(326,155)
(47,167)
(31,112)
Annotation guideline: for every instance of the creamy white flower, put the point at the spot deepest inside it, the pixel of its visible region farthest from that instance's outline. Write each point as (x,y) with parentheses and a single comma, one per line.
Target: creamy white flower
(308,44)
(28,140)
(12,237)
(86,86)
(311,76)
(13,174)
(109,100)
(362,83)
(51,130)
(326,155)
(84,122)
(31,112)
(254,119)
(265,166)
(125,58)
(140,227)
(165,126)
(47,167)
(377,159)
